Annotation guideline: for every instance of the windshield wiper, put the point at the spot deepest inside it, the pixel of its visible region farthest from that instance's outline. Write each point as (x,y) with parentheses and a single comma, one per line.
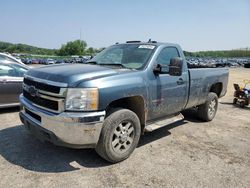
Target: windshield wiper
(107,64)
(114,64)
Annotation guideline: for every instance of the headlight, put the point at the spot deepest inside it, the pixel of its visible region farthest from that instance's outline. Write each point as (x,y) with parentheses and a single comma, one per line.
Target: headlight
(82,99)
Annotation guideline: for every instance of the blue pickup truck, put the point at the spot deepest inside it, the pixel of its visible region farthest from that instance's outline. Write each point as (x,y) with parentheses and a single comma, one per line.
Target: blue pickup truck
(124,91)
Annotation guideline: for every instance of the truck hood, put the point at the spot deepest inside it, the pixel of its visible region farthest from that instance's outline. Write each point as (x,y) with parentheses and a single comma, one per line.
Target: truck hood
(72,74)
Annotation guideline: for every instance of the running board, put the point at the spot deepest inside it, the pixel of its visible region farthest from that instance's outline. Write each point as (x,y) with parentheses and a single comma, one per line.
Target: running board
(163,123)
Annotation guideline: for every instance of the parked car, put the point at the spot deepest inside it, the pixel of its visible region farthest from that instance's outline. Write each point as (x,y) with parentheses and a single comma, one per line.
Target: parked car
(11,80)
(27,61)
(6,58)
(124,91)
(50,61)
(34,61)
(59,61)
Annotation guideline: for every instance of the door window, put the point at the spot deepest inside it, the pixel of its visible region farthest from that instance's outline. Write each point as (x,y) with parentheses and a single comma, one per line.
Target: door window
(5,70)
(12,70)
(165,56)
(19,70)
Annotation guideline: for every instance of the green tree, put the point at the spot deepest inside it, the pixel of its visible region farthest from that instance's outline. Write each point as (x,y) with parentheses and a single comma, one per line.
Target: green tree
(76,47)
(90,51)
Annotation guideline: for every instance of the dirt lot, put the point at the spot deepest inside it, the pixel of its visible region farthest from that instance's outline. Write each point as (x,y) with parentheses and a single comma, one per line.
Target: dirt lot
(187,154)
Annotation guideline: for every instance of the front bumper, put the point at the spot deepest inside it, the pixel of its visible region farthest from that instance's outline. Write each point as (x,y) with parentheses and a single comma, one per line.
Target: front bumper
(70,129)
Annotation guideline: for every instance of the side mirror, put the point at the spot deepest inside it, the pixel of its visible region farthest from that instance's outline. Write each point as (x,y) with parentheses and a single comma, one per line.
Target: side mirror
(175,67)
(157,69)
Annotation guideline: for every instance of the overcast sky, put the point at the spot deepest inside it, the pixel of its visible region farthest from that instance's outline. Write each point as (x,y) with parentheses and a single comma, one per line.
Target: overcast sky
(194,24)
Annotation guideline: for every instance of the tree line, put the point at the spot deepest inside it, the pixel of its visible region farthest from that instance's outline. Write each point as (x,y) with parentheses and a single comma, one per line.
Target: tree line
(76,47)
(79,47)
(223,53)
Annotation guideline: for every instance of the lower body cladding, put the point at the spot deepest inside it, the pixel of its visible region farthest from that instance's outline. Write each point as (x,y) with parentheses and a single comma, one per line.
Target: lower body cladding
(70,129)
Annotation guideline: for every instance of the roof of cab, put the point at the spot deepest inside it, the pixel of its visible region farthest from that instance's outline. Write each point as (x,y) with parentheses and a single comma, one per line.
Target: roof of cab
(149,43)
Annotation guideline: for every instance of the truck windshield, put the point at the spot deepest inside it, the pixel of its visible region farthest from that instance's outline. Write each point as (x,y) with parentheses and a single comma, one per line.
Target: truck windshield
(131,56)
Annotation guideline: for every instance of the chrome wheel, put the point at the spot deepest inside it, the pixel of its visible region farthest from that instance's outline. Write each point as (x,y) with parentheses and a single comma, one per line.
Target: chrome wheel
(212,107)
(208,110)
(123,137)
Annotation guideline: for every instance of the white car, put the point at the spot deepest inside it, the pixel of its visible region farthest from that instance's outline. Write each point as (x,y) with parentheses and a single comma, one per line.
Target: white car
(50,62)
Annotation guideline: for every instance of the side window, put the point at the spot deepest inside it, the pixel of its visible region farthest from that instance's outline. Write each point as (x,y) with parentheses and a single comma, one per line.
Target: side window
(12,70)
(5,70)
(19,70)
(164,57)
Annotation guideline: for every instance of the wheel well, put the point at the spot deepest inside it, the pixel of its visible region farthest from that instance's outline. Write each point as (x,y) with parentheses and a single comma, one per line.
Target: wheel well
(216,88)
(135,104)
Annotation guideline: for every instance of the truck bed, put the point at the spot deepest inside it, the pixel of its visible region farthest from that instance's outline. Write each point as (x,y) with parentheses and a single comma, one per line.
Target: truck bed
(201,81)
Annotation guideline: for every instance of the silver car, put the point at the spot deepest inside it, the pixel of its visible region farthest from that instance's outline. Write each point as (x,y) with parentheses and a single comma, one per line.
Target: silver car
(11,79)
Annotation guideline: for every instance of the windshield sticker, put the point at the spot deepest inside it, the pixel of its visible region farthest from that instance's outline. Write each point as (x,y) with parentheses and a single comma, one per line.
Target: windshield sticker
(151,47)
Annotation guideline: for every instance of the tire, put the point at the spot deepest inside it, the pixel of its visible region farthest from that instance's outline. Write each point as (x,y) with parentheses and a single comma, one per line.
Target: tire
(242,104)
(207,111)
(119,136)
(247,103)
(235,101)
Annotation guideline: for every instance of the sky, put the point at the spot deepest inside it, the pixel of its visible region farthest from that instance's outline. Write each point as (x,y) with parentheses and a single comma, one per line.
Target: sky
(194,24)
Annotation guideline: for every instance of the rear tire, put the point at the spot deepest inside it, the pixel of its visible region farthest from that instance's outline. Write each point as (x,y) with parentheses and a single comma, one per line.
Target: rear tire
(207,111)
(242,104)
(119,136)
(247,103)
(235,101)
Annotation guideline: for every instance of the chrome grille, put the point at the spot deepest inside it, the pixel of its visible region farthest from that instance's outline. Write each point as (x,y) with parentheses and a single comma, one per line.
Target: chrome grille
(44,95)
(42,86)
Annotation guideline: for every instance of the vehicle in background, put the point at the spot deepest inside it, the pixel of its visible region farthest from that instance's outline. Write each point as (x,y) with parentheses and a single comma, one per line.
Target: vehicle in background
(247,65)
(27,61)
(50,61)
(34,61)
(9,58)
(11,80)
(80,59)
(59,61)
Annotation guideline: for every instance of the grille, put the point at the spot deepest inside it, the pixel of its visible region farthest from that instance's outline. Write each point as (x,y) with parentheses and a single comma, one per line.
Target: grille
(42,86)
(41,101)
(35,116)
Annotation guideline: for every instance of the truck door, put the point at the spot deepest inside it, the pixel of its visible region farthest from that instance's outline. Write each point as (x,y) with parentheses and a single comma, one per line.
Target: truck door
(168,94)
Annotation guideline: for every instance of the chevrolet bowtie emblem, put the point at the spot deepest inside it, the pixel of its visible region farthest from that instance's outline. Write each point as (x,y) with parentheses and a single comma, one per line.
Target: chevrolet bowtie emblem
(33,91)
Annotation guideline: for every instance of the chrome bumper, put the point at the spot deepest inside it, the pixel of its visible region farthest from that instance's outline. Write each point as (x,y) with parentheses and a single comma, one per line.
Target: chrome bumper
(71,129)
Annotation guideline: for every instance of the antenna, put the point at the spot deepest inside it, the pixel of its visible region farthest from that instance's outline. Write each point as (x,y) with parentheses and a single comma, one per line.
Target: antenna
(80,34)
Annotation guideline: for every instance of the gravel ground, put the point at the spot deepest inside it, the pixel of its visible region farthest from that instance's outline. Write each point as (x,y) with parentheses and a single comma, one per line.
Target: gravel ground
(186,154)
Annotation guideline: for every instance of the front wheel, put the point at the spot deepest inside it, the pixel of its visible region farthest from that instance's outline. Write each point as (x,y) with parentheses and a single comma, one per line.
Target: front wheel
(120,135)
(207,111)
(235,101)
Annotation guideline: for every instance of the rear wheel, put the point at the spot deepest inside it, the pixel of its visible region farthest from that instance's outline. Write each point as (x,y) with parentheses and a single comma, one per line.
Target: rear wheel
(120,135)
(207,111)
(242,104)
(235,101)
(247,103)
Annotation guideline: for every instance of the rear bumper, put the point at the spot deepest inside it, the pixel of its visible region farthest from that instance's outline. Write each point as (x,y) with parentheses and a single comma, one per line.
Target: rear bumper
(70,129)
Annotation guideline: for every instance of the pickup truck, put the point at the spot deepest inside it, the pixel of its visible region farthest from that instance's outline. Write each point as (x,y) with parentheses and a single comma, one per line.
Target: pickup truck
(124,91)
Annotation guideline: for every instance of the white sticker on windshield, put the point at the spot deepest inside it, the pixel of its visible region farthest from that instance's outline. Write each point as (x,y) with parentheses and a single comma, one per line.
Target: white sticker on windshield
(151,47)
